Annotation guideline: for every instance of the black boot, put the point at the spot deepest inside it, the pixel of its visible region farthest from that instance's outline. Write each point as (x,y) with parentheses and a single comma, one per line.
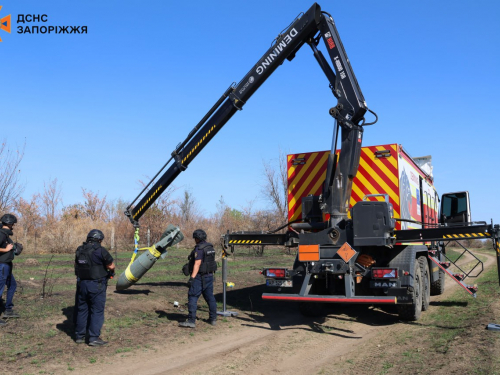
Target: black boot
(10,314)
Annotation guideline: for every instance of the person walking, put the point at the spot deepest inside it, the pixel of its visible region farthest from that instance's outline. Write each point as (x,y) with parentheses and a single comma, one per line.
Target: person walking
(8,250)
(93,266)
(202,266)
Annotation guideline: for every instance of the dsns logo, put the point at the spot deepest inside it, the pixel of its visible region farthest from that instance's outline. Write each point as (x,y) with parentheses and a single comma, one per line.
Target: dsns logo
(5,23)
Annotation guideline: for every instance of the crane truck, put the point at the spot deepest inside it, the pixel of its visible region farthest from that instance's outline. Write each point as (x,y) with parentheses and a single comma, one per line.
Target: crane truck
(358,240)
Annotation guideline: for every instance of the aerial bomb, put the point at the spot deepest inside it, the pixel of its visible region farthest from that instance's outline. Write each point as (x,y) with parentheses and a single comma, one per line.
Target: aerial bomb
(136,269)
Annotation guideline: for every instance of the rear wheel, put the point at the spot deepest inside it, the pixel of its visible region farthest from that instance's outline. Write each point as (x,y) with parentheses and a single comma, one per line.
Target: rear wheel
(437,286)
(412,311)
(426,282)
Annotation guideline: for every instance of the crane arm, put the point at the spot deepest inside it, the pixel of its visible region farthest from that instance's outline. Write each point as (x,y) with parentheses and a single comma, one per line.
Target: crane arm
(349,111)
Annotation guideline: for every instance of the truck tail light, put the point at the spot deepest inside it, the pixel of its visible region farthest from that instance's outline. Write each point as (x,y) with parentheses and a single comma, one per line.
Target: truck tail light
(275,272)
(384,273)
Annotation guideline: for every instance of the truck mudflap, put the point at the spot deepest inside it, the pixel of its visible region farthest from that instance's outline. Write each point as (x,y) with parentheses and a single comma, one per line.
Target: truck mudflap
(331,299)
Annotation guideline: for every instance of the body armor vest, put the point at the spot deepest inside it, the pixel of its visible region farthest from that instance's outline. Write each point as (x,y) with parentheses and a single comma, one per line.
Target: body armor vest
(85,268)
(9,255)
(208,265)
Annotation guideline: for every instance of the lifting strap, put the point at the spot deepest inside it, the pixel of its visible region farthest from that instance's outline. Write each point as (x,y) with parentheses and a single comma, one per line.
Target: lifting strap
(136,245)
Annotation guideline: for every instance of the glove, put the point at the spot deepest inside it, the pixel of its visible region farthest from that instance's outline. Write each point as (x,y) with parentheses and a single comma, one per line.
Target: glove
(111,274)
(18,248)
(190,282)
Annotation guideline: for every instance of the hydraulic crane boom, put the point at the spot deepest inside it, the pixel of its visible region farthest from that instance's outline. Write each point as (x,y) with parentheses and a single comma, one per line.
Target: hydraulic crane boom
(349,112)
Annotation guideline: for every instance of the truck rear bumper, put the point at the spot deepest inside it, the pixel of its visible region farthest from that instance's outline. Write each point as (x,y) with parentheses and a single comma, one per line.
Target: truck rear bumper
(330,299)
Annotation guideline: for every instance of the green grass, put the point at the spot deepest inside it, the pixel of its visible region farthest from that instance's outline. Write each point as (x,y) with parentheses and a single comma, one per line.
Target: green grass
(386,366)
(123,350)
(453,254)
(440,328)
(442,332)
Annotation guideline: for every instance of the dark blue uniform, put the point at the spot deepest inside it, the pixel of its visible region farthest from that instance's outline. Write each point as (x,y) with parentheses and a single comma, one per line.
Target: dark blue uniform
(6,276)
(203,284)
(91,298)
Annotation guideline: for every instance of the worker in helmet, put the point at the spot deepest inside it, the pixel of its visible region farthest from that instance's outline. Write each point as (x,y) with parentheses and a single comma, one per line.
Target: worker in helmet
(93,266)
(202,267)
(8,249)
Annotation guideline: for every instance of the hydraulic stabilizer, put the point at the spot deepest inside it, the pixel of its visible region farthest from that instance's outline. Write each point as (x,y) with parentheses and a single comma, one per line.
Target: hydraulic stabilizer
(137,268)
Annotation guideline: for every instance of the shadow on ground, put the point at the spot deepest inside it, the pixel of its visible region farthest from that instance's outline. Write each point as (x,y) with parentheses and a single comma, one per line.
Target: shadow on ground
(279,315)
(179,317)
(172,284)
(133,291)
(68,325)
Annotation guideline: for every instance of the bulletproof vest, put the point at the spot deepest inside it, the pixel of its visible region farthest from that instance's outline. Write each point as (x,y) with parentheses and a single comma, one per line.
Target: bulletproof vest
(85,268)
(9,255)
(208,265)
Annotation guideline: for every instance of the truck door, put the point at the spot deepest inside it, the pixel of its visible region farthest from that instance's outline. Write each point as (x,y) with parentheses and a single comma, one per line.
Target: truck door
(425,203)
(436,208)
(455,208)
(427,208)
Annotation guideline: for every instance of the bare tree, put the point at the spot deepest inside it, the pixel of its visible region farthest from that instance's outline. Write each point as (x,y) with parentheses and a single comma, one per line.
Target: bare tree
(50,199)
(10,186)
(222,216)
(120,224)
(115,210)
(73,211)
(29,213)
(219,215)
(275,188)
(166,203)
(95,207)
(188,207)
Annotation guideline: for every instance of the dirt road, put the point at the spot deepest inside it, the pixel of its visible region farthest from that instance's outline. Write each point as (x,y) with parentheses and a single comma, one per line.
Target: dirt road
(281,341)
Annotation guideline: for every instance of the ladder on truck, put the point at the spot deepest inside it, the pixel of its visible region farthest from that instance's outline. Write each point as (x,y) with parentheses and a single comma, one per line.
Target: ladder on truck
(460,276)
(455,233)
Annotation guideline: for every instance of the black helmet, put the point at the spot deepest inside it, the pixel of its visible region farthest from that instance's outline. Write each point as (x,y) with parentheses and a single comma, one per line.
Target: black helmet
(95,235)
(8,219)
(200,234)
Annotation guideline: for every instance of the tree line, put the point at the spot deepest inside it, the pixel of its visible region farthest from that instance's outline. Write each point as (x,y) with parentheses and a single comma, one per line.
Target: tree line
(45,225)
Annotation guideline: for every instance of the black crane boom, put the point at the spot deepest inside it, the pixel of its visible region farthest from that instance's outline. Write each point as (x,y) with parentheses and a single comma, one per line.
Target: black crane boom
(307,28)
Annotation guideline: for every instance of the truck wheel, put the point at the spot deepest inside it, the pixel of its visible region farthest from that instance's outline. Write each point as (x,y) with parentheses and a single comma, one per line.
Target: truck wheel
(412,312)
(426,282)
(437,287)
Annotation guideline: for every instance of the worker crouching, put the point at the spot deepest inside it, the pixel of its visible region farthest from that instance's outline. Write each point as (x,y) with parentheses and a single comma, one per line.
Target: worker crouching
(202,267)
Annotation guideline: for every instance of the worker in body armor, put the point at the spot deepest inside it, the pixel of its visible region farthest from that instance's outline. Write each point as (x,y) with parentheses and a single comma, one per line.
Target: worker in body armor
(202,267)
(8,249)
(93,266)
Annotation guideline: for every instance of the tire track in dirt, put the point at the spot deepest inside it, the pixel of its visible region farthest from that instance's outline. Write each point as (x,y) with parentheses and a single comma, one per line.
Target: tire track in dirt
(274,344)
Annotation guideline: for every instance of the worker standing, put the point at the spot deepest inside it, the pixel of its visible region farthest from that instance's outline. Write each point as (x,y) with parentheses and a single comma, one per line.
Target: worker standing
(202,267)
(93,266)
(8,249)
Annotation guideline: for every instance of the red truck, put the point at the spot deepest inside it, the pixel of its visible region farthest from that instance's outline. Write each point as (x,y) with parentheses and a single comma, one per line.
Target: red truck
(365,221)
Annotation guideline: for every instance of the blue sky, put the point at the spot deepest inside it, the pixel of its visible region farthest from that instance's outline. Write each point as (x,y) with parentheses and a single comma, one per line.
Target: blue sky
(105,109)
